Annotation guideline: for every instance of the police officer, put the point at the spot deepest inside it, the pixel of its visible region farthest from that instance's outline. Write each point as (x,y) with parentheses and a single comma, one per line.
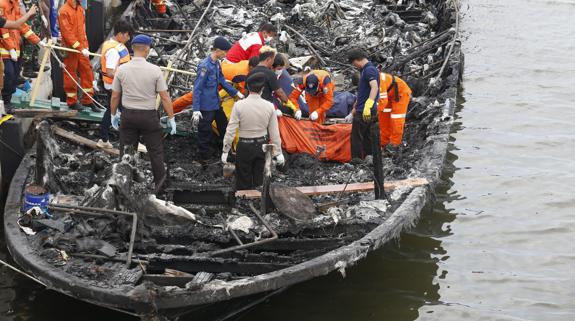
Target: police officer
(366,106)
(256,120)
(206,102)
(137,83)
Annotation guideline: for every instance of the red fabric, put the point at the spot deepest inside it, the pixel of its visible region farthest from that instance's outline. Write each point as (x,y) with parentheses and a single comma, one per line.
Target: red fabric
(160,6)
(304,136)
(237,53)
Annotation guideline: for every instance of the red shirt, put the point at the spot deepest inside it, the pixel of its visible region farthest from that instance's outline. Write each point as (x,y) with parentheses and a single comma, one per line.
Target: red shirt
(245,48)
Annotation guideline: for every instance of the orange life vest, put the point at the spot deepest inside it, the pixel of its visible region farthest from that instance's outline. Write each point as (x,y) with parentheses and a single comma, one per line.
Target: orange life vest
(124,57)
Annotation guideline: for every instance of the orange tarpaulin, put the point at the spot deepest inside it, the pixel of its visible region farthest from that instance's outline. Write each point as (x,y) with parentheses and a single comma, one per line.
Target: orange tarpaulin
(305,136)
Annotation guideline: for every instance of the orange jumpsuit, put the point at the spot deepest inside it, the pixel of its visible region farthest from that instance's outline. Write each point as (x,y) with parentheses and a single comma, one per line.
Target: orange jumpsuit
(394,96)
(11,38)
(322,101)
(160,6)
(71,18)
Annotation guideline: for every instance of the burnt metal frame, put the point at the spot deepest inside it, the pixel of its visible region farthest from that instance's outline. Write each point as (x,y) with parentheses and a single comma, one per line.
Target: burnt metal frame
(102,212)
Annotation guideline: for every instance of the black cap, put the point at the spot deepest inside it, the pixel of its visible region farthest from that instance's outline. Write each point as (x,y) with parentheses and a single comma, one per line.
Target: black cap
(256,81)
(222,44)
(312,84)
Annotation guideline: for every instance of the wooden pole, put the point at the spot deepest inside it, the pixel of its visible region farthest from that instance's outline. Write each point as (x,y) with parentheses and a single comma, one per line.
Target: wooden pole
(166,74)
(40,73)
(265,196)
(169,68)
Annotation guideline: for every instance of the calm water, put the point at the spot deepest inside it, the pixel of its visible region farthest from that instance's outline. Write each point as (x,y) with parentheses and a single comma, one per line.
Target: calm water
(499,243)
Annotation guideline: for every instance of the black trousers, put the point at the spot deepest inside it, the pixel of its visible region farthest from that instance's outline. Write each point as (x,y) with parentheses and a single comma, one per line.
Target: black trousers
(205,132)
(11,74)
(107,118)
(250,161)
(145,123)
(361,135)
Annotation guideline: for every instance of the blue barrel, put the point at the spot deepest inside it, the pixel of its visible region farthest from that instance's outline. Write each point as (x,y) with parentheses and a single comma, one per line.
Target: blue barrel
(36,196)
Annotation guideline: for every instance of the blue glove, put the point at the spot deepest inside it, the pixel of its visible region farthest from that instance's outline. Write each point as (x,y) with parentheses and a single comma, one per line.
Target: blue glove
(116,121)
(172,124)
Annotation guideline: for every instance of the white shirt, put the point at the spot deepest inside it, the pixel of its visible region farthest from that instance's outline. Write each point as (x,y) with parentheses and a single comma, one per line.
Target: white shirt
(112,59)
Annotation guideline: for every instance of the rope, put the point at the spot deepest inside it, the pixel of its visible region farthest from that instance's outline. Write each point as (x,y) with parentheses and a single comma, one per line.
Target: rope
(22,272)
(63,66)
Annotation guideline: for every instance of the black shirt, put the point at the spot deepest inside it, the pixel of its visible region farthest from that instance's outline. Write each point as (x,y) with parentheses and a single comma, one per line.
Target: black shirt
(271,83)
(2,22)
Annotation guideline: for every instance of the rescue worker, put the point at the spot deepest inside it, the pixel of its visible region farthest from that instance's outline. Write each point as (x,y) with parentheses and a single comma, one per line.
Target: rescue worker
(206,102)
(318,89)
(160,6)
(285,82)
(10,46)
(234,73)
(394,96)
(71,19)
(136,83)
(114,54)
(250,44)
(271,86)
(12,24)
(257,123)
(365,106)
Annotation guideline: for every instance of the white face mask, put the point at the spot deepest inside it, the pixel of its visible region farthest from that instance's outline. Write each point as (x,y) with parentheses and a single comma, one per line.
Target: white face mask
(268,39)
(278,72)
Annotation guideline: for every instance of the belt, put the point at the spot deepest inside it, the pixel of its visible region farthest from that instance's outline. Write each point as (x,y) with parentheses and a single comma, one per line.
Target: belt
(263,139)
(133,110)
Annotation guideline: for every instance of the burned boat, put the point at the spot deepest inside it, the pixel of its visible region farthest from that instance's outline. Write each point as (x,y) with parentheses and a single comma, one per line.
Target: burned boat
(110,241)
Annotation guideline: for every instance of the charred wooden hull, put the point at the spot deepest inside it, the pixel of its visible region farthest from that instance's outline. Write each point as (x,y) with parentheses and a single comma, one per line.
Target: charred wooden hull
(175,301)
(171,301)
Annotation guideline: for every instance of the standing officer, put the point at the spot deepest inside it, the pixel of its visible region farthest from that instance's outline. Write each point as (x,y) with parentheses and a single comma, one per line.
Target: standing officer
(206,101)
(137,83)
(257,122)
(114,54)
(72,22)
(318,94)
(10,45)
(365,107)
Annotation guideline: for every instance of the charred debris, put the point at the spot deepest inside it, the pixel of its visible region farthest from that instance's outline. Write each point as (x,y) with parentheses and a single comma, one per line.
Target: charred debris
(198,231)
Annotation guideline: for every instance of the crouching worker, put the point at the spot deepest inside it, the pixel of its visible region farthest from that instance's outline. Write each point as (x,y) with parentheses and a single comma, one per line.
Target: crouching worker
(206,99)
(137,83)
(318,89)
(257,122)
(394,96)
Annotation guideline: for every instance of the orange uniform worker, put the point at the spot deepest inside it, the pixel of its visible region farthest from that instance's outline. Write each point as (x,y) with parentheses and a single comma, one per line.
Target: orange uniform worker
(318,94)
(71,19)
(394,96)
(10,44)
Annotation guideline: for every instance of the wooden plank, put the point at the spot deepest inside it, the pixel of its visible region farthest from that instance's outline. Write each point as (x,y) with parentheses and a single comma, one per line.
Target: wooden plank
(190,264)
(83,140)
(42,113)
(38,80)
(338,188)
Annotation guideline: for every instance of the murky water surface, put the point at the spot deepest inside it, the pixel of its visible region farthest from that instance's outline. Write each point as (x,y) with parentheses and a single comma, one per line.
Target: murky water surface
(499,243)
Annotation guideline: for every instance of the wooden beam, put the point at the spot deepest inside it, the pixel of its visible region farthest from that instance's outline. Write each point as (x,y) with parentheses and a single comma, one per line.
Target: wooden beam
(351,188)
(44,113)
(36,84)
(83,140)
